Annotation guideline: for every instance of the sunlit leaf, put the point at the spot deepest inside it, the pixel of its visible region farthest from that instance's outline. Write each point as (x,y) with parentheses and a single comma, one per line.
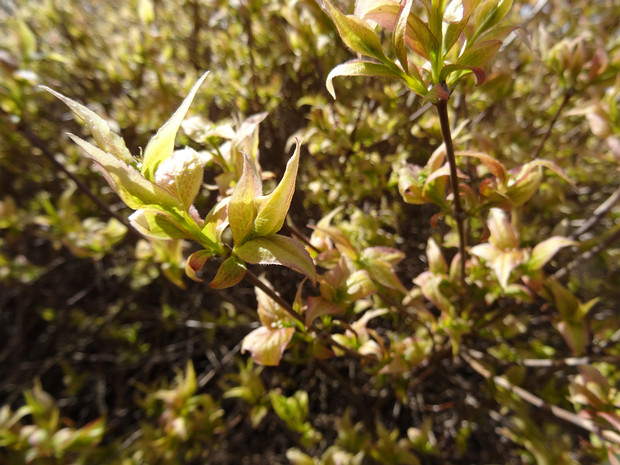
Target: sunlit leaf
(242,208)
(195,262)
(267,345)
(365,68)
(277,250)
(544,251)
(161,145)
(231,272)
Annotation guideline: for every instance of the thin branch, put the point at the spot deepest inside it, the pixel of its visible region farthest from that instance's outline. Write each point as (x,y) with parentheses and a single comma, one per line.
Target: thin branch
(255,280)
(38,143)
(585,256)
(567,95)
(536,401)
(459,214)
(601,210)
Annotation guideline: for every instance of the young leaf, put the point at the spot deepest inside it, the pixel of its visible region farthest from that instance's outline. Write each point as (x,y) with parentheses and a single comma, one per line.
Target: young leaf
(231,271)
(495,167)
(133,189)
(157,225)
(272,208)
(242,207)
(355,33)
(106,139)
(318,306)
(277,250)
(181,175)
(400,30)
(544,251)
(503,235)
(195,262)
(369,68)
(160,147)
(267,345)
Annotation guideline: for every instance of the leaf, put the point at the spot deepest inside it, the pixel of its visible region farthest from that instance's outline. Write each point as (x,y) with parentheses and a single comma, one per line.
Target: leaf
(161,145)
(273,208)
(242,208)
(387,254)
(318,306)
(436,262)
(133,189)
(400,46)
(195,262)
(106,139)
(479,54)
(271,313)
(157,225)
(277,250)
(494,166)
(181,175)
(382,273)
(365,68)
(27,38)
(544,251)
(231,271)
(503,235)
(420,38)
(267,345)
(355,33)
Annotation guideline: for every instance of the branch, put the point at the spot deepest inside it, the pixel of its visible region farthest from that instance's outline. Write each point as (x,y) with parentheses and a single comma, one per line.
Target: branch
(459,214)
(601,210)
(567,95)
(583,423)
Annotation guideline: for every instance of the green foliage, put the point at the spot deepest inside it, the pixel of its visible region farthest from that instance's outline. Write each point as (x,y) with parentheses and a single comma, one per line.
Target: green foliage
(397,327)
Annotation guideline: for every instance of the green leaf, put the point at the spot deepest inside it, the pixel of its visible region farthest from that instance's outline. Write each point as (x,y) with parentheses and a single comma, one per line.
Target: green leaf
(106,139)
(420,38)
(242,207)
(318,306)
(355,33)
(381,272)
(161,145)
(273,208)
(181,175)
(400,46)
(195,262)
(365,68)
(277,250)
(27,39)
(544,251)
(231,271)
(479,54)
(133,189)
(267,345)
(157,225)
(436,262)
(488,14)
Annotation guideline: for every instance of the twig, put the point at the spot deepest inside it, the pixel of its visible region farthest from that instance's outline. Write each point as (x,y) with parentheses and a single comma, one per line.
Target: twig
(255,280)
(567,95)
(38,143)
(587,255)
(601,210)
(459,214)
(536,401)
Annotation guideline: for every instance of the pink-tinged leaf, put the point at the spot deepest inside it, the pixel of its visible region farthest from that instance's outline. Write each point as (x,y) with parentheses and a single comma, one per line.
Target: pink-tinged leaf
(382,273)
(612,418)
(409,184)
(400,46)
(527,182)
(436,262)
(495,167)
(505,263)
(161,145)
(157,225)
(106,139)
(216,221)
(271,314)
(362,68)
(430,283)
(231,272)
(273,208)
(267,345)
(359,285)
(503,235)
(544,251)
(195,262)
(553,167)
(499,33)
(242,208)
(387,254)
(181,175)
(436,94)
(277,250)
(479,54)
(318,306)
(133,189)
(355,33)
(342,243)
(420,38)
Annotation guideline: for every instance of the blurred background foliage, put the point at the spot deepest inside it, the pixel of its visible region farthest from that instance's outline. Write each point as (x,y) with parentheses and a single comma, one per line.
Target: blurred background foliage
(111,355)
